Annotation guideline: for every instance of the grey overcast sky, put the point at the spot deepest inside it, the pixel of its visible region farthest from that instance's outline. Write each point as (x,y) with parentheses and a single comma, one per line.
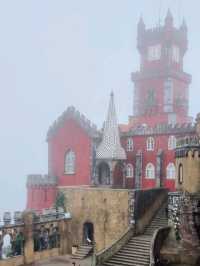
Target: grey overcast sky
(56,53)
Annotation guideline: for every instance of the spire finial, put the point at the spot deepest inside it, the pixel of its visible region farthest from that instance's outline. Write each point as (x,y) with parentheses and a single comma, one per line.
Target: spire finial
(110,146)
(184,25)
(169,19)
(141,25)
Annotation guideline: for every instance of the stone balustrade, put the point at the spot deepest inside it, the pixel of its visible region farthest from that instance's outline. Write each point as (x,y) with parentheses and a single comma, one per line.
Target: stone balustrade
(30,236)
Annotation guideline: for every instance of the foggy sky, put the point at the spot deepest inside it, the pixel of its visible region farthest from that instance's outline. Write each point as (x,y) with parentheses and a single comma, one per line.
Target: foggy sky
(56,53)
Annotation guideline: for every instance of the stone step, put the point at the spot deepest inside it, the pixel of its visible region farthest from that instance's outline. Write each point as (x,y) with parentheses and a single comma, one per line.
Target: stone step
(133,251)
(137,251)
(137,246)
(133,244)
(82,252)
(133,263)
(132,255)
(145,250)
(124,261)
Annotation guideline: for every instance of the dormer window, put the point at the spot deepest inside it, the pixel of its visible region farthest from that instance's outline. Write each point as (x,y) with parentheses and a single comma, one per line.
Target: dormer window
(154,52)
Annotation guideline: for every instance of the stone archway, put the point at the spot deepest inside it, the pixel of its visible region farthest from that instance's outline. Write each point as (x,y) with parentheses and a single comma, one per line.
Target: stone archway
(88,233)
(118,175)
(103,173)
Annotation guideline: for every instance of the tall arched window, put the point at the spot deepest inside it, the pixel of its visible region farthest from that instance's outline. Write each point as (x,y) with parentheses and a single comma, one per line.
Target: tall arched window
(129,144)
(70,162)
(129,171)
(150,171)
(150,144)
(180,174)
(171,171)
(171,143)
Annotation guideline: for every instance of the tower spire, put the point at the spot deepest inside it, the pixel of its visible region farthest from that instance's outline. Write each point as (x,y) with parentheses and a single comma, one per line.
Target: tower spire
(110,147)
(184,25)
(141,25)
(169,19)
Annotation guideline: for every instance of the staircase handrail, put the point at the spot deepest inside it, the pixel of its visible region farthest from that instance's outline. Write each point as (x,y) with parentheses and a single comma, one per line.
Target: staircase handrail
(108,252)
(159,237)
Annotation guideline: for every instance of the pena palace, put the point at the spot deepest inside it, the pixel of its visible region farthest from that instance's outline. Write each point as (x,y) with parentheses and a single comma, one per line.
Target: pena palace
(137,155)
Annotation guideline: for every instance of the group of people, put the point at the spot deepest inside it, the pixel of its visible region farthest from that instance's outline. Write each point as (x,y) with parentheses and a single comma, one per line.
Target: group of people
(46,238)
(11,243)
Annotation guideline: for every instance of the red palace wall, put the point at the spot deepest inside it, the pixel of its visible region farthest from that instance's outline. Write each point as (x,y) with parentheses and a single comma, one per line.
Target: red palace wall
(39,198)
(161,143)
(70,137)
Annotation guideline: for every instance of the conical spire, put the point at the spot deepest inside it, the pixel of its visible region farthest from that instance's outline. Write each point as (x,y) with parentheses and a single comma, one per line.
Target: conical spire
(184,26)
(141,25)
(110,147)
(169,19)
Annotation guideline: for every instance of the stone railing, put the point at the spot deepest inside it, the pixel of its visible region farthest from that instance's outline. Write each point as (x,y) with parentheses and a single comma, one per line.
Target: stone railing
(33,237)
(107,253)
(156,244)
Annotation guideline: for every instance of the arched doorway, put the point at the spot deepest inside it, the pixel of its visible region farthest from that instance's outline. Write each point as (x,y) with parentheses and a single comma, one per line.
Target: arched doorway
(88,233)
(118,175)
(103,174)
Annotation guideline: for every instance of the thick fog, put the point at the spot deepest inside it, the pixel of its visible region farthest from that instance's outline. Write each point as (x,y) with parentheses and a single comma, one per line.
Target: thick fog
(59,53)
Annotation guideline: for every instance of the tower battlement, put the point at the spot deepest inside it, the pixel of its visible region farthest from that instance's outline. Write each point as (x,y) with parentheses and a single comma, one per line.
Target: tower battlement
(72,113)
(41,181)
(161,87)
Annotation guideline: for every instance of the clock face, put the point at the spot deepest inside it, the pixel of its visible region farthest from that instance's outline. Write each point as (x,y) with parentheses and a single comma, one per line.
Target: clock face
(175,54)
(154,52)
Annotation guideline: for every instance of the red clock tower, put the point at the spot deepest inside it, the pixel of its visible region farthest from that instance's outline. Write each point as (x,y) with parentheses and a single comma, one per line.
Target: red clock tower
(161,87)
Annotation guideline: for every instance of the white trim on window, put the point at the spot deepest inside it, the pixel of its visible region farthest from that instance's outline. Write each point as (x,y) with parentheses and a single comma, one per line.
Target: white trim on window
(171,171)
(129,170)
(150,143)
(70,160)
(150,171)
(171,142)
(129,144)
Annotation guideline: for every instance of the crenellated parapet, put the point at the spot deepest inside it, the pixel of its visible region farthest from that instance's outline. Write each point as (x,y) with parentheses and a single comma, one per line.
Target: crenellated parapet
(72,113)
(166,32)
(41,181)
(187,156)
(188,147)
(142,130)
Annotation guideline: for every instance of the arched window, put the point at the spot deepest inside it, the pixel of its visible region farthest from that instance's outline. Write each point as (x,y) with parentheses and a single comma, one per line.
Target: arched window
(150,144)
(129,145)
(70,162)
(171,143)
(180,174)
(171,171)
(129,171)
(150,171)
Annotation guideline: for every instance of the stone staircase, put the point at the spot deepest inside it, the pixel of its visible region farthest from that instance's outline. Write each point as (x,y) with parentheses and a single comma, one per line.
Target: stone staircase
(82,252)
(137,251)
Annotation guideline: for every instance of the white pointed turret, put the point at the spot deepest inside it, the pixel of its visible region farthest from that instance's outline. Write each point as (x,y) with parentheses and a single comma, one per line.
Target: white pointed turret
(110,148)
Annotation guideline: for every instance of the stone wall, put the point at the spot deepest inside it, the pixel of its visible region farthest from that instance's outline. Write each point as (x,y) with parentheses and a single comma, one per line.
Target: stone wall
(111,211)
(107,209)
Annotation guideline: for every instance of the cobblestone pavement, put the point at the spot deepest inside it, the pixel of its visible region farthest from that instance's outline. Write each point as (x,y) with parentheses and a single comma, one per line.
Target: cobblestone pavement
(64,261)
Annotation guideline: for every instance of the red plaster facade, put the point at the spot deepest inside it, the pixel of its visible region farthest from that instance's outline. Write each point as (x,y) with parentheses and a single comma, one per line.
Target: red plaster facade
(70,137)
(160,110)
